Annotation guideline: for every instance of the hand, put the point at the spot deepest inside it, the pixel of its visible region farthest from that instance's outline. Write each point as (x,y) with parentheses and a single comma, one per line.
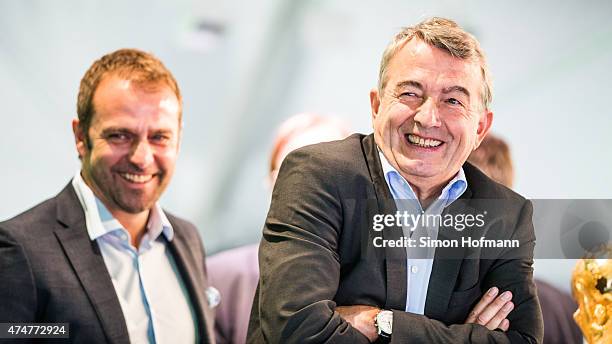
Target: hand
(491,312)
(361,317)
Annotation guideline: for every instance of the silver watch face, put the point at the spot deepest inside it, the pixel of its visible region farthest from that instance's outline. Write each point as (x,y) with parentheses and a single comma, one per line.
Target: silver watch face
(384,320)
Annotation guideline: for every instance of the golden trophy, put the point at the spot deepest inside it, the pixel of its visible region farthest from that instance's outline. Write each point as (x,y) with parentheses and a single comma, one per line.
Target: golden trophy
(592,289)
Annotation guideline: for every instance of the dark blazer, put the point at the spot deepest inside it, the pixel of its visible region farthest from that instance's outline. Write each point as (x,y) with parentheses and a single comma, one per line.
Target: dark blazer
(316,254)
(50,271)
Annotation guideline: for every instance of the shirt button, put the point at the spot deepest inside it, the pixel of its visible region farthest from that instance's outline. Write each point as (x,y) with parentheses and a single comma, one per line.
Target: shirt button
(414,269)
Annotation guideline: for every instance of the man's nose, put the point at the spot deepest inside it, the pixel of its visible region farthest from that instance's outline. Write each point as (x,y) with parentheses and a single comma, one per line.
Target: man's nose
(141,154)
(428,115)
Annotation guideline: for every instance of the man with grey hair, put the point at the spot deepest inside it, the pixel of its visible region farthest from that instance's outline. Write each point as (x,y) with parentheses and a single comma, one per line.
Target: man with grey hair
(326,277)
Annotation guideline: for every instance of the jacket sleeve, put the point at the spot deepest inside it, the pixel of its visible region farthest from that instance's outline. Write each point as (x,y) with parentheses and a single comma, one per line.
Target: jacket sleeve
(513,271)
(299,263)
(17,290)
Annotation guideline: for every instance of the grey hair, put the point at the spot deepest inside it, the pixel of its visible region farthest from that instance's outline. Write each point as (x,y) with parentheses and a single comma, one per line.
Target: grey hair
(444,34)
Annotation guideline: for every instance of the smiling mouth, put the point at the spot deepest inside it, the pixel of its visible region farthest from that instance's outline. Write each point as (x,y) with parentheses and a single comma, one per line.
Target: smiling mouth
(137,178)
(419,141)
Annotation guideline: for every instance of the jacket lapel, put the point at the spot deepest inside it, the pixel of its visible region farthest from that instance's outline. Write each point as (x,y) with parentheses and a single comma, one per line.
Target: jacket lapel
(447,262)
(395,258)
(88,264)
(194,281)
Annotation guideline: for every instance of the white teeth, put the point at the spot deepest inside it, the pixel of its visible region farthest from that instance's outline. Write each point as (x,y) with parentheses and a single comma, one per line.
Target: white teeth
(414,139)
(137,178)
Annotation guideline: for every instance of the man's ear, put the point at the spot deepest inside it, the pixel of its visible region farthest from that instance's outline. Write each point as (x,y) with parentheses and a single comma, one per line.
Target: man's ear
(180,136)
(80,138)
(374,102)
(484,125)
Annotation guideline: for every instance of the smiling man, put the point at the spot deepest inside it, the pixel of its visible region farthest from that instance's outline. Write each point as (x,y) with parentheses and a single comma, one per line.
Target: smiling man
(102,255)
(321,278)
(429,115)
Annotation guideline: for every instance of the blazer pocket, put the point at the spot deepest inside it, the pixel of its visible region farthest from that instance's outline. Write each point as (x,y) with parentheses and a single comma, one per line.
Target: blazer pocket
(465,297)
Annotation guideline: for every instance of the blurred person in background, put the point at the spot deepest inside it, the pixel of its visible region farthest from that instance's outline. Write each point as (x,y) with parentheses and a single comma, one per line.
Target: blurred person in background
(102,255)
(494,159)
(235,272)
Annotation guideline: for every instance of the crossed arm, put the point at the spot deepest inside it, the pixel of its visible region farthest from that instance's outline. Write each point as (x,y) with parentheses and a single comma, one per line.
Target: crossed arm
(491,312)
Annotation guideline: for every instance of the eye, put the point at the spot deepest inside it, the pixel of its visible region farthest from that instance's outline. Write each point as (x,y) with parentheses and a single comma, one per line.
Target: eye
(160,138)
(117,137)
(409,94)
(453,101)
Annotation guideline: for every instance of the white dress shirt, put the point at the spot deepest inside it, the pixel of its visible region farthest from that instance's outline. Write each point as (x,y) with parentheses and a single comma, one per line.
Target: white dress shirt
(418,269)
(153,297)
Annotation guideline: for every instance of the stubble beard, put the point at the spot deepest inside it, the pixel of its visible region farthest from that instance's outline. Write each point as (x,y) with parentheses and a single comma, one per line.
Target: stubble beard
(106,187)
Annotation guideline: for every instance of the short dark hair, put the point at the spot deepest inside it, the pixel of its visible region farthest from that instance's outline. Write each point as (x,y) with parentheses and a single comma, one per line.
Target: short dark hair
(132,64)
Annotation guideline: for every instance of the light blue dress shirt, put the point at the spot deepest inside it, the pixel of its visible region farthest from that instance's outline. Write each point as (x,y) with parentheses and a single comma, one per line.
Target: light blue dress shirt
(153,297)
(419,270)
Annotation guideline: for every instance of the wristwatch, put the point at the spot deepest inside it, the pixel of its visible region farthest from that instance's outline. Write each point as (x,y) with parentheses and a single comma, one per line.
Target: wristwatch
(384,323)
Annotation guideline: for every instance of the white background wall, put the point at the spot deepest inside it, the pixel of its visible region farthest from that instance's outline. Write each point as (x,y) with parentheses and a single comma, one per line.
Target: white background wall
(265,60)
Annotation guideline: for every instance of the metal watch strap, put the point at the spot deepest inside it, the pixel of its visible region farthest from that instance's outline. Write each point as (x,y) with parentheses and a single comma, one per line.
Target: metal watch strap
(384,336)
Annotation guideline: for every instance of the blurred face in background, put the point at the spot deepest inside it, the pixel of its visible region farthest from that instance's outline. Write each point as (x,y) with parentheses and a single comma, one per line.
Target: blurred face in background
(429,116)
(303,130)
(130,151)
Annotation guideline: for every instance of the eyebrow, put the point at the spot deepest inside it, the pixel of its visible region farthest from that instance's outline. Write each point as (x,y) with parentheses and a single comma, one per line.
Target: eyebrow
(456,89)
(409,83)
(162,131)
(109,130)
(106,131)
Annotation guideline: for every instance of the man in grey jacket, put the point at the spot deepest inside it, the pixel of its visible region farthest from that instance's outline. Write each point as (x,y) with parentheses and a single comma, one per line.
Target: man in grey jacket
(103,256)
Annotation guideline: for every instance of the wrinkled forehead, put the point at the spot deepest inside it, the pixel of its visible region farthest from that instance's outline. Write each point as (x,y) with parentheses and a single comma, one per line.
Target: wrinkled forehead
(417,58)
(122,99)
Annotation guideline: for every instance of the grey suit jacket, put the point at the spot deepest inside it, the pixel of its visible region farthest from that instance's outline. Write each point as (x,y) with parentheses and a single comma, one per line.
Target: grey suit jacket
(316,254)
(50,271)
